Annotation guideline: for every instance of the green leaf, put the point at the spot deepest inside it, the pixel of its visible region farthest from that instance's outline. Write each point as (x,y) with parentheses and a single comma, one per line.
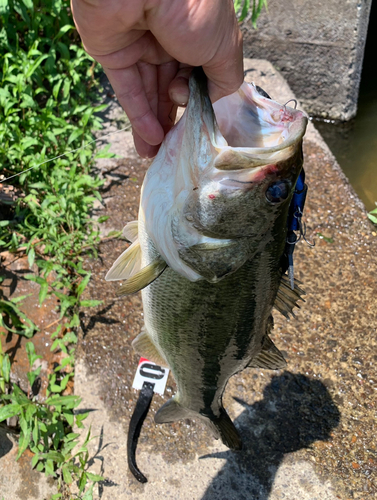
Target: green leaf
(372,217)
(8,411)
(6,368)
(31,354)
(69,417)
(83,285)
(74,135)
(23,442)
(34,460)
(31,257)
(28,4)
(40,467)
(82,482)
(30,410)
(36,64)
(88,113)
(94,477)
(66,475)
(90,303)
(27,142)
(53,456)
(114,234)
(35,432)
(64,401)
(27,101)
(63,30)
(43,292)
(19,396)
(4,7)
(56,88)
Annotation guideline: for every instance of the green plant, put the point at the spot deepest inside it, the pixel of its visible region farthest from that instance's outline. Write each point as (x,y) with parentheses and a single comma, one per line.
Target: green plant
(48,86)
(4,370)
(13,319)
(46,429)
(242,8)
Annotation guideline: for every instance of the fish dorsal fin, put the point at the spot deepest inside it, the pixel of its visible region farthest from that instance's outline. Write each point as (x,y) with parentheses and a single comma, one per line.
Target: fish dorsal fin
(287,298)
(131,230)
(127,264)
(269,357)
(143,278)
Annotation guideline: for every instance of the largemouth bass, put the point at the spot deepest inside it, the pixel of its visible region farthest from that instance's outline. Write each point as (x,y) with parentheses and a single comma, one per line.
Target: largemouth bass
(208,248)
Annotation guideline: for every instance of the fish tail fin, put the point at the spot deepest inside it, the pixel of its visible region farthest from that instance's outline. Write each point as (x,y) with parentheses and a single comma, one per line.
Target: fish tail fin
(226,430)
(221,426)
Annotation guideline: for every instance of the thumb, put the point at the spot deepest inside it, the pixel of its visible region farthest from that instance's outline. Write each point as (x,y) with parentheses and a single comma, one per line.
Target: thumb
(178,88)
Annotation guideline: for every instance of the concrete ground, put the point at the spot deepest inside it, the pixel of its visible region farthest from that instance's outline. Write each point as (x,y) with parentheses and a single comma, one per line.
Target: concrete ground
(309,431)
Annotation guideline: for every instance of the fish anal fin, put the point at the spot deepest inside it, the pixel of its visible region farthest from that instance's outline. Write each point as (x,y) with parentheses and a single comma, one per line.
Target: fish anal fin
(269,357)
(142,278)
(286,298)
(172,411)
(226,430)
(131,230)
(127,264)
(144,346)
(221,426)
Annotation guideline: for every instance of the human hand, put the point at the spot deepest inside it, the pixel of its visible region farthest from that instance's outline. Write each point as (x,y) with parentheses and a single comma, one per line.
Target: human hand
(147,49)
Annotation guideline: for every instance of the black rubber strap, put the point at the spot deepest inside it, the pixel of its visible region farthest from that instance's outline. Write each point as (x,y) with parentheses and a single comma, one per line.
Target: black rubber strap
(137,420)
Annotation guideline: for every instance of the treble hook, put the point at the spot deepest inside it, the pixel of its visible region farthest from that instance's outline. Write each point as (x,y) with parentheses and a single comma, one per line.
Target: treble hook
(302,228)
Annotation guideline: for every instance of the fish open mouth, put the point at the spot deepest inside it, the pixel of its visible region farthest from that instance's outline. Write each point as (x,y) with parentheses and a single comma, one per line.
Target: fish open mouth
(256,128)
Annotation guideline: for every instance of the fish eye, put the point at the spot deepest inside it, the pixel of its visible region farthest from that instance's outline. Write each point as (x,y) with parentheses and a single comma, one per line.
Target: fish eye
(278,191)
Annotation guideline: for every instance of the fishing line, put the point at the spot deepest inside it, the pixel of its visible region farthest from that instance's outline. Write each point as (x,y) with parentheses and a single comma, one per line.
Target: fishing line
(67,153)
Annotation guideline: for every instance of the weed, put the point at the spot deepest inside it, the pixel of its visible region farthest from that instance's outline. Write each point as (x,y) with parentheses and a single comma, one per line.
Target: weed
(48,84)
(46,429)
(243,7)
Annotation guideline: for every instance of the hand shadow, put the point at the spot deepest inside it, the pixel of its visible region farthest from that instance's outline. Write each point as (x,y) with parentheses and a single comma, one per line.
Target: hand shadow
(295,411)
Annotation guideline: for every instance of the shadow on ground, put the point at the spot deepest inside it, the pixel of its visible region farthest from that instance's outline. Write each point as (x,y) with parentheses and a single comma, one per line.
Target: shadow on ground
(5,443)
(295,412)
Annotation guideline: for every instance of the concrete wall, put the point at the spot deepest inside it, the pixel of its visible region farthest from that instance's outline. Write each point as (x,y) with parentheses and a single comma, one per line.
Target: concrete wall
(318,45)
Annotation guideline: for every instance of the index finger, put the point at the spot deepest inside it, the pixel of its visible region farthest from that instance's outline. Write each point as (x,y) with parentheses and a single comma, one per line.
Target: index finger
(129,88)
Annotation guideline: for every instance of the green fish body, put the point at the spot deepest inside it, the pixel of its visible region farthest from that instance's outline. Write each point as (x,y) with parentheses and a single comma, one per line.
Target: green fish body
(208,247)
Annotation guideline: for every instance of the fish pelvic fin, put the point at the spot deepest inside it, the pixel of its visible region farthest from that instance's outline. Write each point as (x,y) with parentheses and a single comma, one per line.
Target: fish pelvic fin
(145,347)
(269,357)
(142,278)
(221,426)
(287,298)
(131,230)
(127,264)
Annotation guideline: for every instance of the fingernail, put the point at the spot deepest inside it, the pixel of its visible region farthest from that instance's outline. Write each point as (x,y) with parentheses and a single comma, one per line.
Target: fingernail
(179,99)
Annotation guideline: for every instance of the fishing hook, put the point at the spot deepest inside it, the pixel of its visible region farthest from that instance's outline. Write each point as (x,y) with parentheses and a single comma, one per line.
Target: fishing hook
(291,100)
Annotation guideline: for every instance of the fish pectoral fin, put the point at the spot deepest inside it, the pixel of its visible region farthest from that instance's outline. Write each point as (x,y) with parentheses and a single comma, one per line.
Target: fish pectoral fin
(215,259)
(127,264)
(142,278)
(287,298)
(144,346)
(131,230)
(171,411)
(269,357)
